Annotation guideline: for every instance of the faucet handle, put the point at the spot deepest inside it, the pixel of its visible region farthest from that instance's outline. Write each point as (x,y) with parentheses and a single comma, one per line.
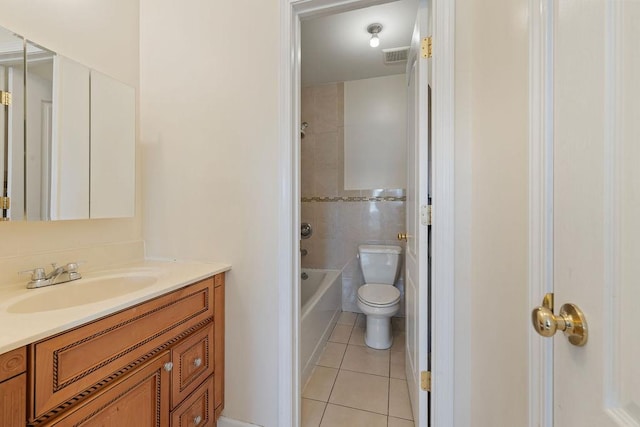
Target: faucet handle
(73,266)
(72,270)
(36,274)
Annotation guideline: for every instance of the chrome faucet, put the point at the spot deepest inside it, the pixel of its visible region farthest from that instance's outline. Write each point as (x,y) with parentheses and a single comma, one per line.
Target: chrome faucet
(58,275)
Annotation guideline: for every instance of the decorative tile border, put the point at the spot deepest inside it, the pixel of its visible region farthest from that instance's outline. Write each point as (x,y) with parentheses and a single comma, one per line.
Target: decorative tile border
(355,199)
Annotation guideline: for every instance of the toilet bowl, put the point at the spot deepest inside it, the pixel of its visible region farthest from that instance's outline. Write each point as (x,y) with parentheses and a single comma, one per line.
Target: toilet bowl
(379,303)
(378,298)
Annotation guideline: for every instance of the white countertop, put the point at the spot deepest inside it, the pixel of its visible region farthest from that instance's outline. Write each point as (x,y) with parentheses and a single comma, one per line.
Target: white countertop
(19,329)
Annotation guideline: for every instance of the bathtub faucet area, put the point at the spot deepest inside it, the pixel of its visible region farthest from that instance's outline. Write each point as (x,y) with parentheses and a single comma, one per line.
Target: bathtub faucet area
(305,230)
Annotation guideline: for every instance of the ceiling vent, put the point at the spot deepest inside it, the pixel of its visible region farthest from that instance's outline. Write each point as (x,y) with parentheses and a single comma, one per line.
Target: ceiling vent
(395,55)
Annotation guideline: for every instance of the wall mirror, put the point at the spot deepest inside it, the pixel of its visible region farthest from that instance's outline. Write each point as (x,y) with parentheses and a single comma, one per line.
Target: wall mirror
(68,137)
(38,100)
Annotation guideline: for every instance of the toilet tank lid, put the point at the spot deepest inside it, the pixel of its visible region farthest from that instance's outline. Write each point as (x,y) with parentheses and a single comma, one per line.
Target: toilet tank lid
(380,249)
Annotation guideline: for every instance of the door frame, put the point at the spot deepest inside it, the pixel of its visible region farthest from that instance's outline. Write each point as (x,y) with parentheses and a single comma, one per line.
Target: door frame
(442,262)
(540,204)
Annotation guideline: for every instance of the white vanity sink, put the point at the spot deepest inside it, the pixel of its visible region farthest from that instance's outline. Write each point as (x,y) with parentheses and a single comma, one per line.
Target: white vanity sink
(81,292)
(28,315)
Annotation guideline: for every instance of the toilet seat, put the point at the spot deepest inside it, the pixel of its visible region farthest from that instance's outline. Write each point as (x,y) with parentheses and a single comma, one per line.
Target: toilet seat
(376,295)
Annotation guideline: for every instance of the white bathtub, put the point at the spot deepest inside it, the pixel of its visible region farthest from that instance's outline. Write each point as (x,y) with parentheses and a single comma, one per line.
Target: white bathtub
(321,303)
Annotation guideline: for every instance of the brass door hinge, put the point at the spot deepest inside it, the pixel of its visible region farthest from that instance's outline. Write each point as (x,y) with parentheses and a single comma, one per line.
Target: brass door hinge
(5,203)
(425,380)
(426,47)
(5,98)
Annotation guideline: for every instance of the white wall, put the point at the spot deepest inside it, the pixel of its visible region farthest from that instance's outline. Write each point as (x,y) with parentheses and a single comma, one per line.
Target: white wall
(83,31)
(375,133)
(210,144)
(112,147)
(491,227)
(210,147)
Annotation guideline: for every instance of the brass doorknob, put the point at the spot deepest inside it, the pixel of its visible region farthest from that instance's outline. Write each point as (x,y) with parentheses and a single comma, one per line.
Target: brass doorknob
(402,236)
(570,320)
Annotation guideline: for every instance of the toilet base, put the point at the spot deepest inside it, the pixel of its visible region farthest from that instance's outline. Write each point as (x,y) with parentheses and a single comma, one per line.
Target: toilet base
(378,333)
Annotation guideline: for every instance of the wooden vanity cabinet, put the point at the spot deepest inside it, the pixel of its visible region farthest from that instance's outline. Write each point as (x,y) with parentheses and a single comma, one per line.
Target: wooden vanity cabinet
(158,363)
(13,387)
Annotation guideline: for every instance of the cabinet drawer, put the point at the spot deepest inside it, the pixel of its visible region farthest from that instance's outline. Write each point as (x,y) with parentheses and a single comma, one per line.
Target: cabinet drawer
(13,363)
(192,363)
(80,361)
(139,399)
(197,410)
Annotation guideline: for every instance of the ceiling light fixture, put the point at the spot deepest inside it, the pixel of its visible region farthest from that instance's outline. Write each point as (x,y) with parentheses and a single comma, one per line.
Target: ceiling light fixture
(374,30)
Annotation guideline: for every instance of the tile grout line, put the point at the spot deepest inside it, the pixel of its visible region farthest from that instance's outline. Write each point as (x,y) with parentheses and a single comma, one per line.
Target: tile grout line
(336,378)
(389,385)
(346,347)
(389,395)
(366,373)
(362,410)
(315,400)
(326,406)
(324,411)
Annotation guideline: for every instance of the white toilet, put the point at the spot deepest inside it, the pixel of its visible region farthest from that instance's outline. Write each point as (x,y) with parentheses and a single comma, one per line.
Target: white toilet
(378,298)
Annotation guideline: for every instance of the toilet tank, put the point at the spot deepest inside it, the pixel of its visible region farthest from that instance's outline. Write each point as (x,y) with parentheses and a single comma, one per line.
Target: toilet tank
(380,263)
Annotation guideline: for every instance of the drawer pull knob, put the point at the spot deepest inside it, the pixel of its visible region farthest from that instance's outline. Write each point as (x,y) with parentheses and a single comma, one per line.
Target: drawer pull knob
(197,420)
(197,362)
(168,366)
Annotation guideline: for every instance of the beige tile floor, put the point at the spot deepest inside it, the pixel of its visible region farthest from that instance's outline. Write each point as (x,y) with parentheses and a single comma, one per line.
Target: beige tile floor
(354,385)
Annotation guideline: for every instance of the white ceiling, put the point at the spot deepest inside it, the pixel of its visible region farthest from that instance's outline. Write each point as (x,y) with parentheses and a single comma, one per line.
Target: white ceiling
(335,48)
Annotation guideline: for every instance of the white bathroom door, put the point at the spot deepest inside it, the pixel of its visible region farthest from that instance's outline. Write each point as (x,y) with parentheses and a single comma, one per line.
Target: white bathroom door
(417,253)
(595,185)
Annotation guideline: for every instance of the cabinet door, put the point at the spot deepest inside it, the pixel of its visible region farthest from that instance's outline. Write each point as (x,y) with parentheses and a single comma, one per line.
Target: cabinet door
(13,397)
(141,399)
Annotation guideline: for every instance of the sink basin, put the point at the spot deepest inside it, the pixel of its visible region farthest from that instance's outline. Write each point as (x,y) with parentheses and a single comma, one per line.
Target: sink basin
(80,292)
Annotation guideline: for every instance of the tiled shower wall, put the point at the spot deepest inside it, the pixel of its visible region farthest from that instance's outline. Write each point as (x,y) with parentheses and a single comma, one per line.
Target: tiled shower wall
(341,220)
